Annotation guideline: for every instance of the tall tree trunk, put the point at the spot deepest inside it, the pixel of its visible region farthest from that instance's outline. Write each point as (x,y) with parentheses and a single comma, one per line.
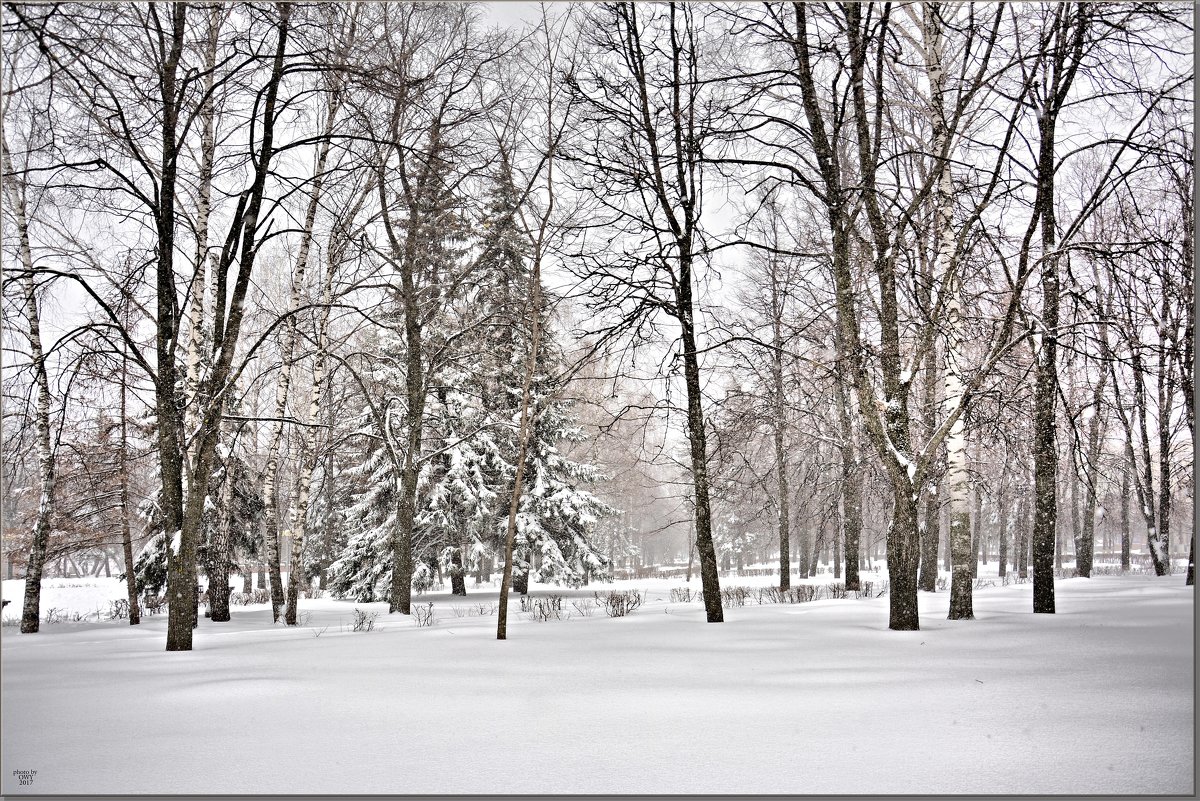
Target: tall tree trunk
(39,542)
(1062,53)
(1002,532)
(135,611)
(1045,398)
(957,480)
(181,559)
(196,307)
(709,580)
(1023,536)
(778,423)
(228,316)
(1166,398)
(308,456)
(218,547)
(528,412)
(1125,496)
(902,556)
(1084,556)
(852,484)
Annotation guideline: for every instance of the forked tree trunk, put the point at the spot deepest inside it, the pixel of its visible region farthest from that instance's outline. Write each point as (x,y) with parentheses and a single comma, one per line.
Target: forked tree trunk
(228,316)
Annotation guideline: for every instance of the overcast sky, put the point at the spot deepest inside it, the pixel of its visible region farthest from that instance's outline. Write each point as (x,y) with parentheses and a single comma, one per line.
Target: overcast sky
(512,13)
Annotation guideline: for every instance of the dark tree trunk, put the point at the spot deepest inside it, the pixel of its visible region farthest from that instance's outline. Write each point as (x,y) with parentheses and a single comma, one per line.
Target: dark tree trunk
(931,530)
(458,574)
(1023,531)
(709,579)
(778,429)
(803,569)
(851,488)
(1191,571)
(1045,397)
(1166,397)
(837,555)
(1002,534)
(520,579)
(181,561)
(903,554)
(135,610)
(218,566)
(1125,539)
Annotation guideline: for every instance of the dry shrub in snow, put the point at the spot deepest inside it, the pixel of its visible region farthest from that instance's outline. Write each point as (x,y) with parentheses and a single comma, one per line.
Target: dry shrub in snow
(682,595)
(364,621)
(584,607)
(617,603)
(543,609)
(735,596)
(423,615)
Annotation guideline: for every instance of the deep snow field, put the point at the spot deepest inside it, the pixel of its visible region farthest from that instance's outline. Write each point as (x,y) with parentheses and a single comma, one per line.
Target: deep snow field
(818,697)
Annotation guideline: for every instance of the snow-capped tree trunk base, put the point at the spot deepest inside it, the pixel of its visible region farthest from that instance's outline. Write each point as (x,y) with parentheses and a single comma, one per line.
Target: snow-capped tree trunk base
(902,558)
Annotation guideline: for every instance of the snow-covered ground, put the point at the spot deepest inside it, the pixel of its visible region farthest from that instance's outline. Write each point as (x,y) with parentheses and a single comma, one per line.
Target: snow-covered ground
(811,698)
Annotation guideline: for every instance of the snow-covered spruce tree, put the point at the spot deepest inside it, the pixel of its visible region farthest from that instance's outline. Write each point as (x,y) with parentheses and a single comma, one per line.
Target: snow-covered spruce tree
(465,472)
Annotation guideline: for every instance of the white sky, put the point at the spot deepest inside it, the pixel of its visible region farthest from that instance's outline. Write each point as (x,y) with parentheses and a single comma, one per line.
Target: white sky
(514,13)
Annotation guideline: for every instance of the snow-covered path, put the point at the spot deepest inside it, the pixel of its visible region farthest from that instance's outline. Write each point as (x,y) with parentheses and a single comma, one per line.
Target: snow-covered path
(810,698)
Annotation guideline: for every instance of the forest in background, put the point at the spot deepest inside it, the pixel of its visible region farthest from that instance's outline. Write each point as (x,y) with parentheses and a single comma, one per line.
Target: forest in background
(396,296)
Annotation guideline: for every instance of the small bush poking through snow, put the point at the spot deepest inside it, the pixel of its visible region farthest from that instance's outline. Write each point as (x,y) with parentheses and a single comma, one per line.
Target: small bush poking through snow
(585,606)
(54,615)
(118,609)
(837,590)
(735,596)
(543,609)
(942,583)
(423,615)
(617,603)
(364,621)
(682,595)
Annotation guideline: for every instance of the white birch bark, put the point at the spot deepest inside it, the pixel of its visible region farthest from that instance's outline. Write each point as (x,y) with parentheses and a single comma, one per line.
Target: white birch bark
(30,613)
(287,353)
